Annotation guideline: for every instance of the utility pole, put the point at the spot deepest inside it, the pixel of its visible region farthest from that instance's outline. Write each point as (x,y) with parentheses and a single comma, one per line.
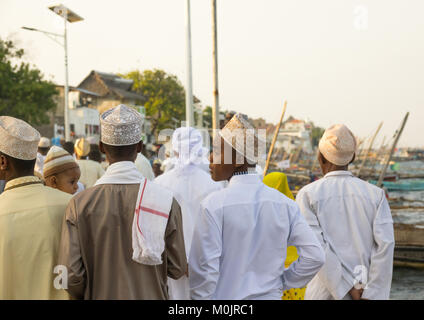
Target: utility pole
(66,113)
(189,90)
(215,107)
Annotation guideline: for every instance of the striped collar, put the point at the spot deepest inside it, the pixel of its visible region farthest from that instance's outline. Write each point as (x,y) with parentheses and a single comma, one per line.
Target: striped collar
(22,181)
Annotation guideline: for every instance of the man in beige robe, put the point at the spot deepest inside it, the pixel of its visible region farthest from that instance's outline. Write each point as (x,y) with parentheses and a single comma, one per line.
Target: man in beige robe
(91,170)
(99,245)
(30,219)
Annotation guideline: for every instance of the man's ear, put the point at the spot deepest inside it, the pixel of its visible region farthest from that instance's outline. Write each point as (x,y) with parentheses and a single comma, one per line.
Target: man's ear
(4,164)
(101,147)
(140,146)
(353,159)
(321,158)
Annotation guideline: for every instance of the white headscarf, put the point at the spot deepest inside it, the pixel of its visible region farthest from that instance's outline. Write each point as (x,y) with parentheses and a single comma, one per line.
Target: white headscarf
(187,143)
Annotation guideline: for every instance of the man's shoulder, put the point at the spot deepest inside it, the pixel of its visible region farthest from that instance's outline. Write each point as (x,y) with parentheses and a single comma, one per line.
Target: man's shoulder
(311,186)
(215,199)
(57,195)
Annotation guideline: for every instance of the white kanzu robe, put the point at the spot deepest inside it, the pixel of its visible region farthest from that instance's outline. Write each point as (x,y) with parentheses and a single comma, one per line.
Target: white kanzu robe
(352,220)
(190,185)
(143,165)
(240,244)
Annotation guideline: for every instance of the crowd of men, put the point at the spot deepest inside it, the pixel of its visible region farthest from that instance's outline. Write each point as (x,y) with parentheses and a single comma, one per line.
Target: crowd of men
(72,228)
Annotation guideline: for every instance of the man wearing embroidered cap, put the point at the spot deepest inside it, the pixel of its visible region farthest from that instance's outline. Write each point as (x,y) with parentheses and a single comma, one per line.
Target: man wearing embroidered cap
(91,170)
(241,237)
(30,218)
(123,237)
(351,218)
(190,185)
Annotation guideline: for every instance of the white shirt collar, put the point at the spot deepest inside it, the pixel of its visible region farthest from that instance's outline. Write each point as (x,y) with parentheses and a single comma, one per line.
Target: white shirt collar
(339,173)
(250,178)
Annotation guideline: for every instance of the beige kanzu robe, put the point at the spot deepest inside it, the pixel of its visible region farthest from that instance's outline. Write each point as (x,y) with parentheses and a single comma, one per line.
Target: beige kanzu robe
(30,225)
(96,247)
(91,171)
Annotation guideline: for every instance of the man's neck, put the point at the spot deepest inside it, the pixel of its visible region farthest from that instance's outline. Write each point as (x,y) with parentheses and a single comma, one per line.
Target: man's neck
(14,175)
(335,168)
(120,160)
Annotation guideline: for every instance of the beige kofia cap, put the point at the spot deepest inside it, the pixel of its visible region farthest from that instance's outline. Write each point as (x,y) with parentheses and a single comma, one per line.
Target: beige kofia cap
(338,145)
(243,137)
(18,139)
(57,161)
(121,126)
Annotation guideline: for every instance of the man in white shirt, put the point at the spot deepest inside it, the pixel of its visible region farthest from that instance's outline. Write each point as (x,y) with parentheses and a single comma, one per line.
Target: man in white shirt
(241,237)
(43,149)
(190,185)
(143,165)
(352,220)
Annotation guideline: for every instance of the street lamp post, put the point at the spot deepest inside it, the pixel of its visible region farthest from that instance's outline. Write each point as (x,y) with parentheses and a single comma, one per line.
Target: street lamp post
(68,16)
(215,107)
(189,89)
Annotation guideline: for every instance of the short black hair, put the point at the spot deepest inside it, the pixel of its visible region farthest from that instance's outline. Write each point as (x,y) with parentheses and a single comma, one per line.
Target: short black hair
(43,149)
(120,151)
(95,153)
(69,146)
(20,165)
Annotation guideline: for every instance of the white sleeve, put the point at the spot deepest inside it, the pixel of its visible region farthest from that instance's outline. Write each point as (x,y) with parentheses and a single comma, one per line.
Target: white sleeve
(311,256)
(381,266)
(332,275)
(204,257)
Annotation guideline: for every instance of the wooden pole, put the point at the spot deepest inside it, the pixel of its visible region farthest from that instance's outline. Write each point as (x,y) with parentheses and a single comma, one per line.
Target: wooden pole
(380,151)
(383,172)
(274,139)
(215,107)
(369,149)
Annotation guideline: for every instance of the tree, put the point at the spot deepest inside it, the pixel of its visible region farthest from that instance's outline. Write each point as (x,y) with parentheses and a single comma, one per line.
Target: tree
(317,133)
(165,96)
(207,116)
(23,92)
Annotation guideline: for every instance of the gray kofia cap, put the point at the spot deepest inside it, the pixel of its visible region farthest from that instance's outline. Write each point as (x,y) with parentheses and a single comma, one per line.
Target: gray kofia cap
(121,126)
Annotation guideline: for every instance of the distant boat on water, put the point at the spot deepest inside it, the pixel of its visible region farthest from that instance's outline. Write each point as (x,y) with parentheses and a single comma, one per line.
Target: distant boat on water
(402,185)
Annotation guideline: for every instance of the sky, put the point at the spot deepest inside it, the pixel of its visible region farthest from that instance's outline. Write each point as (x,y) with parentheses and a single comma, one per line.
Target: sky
(352,62)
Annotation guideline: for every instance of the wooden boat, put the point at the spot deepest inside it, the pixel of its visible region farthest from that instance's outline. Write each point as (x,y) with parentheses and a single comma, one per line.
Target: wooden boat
(405,185)
(409,245)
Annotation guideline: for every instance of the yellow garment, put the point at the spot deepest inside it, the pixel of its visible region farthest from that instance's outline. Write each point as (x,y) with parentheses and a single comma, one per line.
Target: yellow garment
(30,229)
(91,171)
(278,180)
(82,147)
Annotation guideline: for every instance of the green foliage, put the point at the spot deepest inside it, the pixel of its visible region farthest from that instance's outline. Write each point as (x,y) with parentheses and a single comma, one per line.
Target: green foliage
(207,116)
(317,133)
(23,92)
(165,97)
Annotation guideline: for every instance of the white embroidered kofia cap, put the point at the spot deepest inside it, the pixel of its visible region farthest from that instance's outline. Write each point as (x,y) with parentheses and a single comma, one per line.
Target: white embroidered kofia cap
(243,137)
(338,145)
(121,126)
(18,139)
(44,142)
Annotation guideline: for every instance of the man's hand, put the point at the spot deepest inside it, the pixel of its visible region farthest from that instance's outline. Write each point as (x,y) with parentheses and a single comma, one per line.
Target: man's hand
(356,293)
